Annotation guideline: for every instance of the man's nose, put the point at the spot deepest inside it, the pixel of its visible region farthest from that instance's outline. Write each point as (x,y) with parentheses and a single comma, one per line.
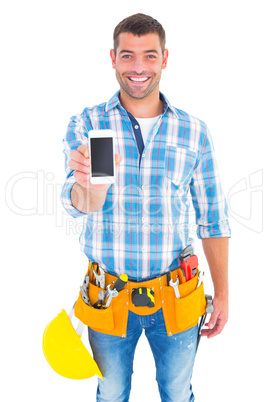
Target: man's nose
(138,66)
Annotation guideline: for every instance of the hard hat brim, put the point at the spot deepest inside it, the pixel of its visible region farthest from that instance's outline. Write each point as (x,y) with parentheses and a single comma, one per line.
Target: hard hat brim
(65,352)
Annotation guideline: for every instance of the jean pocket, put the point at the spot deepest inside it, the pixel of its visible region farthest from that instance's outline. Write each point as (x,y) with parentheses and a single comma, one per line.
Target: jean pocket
(179,164)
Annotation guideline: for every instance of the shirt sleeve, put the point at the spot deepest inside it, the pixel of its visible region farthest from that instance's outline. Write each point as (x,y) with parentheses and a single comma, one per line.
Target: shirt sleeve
(77,134)
(207,194)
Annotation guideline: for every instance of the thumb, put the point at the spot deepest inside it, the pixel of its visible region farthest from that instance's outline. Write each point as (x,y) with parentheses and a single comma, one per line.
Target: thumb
(83,149)
(213,319)
(118,159)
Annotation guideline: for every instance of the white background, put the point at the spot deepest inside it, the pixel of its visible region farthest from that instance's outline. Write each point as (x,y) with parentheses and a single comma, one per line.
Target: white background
(55,62)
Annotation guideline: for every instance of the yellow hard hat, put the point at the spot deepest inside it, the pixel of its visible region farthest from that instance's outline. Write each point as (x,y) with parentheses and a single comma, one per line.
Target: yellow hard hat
(65,352)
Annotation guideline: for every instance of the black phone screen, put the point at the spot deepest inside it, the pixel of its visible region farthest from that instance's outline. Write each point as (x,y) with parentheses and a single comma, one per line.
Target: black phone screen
(101,157)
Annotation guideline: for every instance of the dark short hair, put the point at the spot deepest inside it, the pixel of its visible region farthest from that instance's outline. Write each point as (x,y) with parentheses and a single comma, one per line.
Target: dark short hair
(139,24)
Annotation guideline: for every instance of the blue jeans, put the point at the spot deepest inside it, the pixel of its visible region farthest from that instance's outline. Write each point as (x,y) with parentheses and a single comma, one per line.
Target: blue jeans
(174,359)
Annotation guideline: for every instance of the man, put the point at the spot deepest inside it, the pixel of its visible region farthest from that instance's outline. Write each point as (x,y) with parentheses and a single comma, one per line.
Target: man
(138,225)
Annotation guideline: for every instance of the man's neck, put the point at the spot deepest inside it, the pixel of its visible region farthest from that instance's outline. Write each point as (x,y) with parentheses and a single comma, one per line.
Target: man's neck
(151,106)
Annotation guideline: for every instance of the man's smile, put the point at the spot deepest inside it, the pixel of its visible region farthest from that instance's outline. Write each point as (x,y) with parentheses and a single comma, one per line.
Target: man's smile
(138,80)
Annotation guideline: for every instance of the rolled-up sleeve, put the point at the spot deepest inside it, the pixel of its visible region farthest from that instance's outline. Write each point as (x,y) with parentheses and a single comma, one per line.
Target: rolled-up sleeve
(207,194)
(77,134)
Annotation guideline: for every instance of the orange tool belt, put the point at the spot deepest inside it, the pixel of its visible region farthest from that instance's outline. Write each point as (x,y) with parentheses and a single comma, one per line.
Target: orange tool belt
(180,314)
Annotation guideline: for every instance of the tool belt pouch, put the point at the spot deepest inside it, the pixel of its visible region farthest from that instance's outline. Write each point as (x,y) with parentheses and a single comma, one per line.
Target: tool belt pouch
(183,313)
(111,320)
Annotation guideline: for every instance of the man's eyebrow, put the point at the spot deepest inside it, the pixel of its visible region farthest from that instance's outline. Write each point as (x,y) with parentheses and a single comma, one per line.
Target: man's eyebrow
(131,52)
(151,51)
(125,51)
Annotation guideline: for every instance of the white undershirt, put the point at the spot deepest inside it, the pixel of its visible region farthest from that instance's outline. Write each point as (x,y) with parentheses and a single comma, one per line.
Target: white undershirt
(146,124)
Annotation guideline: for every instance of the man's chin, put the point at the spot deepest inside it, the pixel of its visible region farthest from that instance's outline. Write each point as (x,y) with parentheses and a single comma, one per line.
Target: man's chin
(136,94)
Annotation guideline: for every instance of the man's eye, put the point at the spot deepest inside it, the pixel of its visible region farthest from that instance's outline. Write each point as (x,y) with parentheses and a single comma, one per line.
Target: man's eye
(126,56)
(151,56)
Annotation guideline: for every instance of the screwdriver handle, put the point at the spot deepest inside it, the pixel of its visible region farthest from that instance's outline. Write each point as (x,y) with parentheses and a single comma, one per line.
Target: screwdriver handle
(120,282)
(181,274)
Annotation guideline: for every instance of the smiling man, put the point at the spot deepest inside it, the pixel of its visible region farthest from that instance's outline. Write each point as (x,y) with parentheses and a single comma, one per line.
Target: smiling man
(163,154)
(138,61)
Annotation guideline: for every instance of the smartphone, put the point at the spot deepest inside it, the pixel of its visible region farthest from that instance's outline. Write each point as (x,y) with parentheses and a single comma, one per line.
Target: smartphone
(101,151)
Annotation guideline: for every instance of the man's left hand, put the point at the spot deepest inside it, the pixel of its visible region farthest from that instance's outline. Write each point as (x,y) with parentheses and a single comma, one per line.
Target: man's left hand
(218,318)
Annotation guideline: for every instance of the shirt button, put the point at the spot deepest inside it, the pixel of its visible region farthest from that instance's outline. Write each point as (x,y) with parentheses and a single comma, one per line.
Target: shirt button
(143,155)
(136,127)
(143,219)
(142,187)
(143,249)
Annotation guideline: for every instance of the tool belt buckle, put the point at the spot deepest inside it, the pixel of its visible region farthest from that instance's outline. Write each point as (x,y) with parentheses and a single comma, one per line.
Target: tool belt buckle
(143,297)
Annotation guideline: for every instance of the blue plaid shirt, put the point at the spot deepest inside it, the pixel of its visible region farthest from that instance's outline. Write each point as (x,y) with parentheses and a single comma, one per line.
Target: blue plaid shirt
(144,222)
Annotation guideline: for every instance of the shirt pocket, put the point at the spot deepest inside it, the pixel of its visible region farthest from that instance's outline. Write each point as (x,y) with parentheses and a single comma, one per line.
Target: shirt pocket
(179,164)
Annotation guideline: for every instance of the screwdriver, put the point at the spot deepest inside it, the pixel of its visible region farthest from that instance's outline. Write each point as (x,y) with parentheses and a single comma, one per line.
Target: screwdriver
(120,282)
(181,274)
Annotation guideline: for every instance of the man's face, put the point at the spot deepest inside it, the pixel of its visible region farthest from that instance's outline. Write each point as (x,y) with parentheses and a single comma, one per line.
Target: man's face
(138,63)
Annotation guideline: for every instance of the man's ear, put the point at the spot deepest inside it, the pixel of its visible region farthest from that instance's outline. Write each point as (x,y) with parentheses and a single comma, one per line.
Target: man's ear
(164,64)
(112,55)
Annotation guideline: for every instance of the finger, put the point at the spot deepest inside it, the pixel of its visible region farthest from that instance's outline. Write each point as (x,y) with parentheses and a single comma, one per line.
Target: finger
(79,167)
(118,159)
(81,177)
(205,332)
(216,330)
(213,319)
(83,149)
(209,333)
(79,157)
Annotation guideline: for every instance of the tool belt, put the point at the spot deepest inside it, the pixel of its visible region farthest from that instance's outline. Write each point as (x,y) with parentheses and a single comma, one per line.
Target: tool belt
(180,314)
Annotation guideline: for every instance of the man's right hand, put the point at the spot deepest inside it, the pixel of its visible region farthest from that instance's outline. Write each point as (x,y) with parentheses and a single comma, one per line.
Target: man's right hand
(80,163)
(85,196)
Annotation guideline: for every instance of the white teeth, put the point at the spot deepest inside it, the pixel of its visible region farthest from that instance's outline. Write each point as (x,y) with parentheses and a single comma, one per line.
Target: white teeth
(138,79)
